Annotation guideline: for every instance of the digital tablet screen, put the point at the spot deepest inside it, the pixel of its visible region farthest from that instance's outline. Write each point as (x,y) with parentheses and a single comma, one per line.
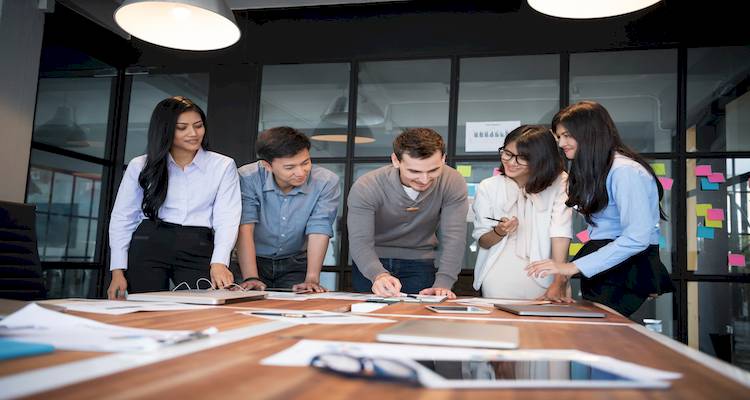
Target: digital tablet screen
(538,370)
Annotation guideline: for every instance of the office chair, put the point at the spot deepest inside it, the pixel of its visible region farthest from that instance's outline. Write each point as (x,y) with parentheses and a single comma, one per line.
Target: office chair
(20,268)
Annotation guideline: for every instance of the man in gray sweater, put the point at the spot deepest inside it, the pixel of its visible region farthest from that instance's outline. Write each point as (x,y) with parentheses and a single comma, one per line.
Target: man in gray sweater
(407,222)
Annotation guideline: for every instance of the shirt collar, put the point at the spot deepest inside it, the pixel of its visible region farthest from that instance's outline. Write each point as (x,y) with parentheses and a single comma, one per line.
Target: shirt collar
(200,160)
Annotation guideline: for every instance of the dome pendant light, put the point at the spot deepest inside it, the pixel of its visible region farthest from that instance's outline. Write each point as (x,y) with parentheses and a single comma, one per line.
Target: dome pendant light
(584,9)
(180,24)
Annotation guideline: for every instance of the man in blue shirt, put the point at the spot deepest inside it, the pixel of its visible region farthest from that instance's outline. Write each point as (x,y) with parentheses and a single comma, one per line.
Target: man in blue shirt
(288,210)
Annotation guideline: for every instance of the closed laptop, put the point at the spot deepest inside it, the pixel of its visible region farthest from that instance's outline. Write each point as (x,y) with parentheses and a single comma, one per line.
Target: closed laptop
(448,333)
(211,297)
(550,310)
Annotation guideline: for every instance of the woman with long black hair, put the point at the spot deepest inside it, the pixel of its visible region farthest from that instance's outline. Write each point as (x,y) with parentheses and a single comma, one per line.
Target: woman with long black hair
(178,207)
(619,195)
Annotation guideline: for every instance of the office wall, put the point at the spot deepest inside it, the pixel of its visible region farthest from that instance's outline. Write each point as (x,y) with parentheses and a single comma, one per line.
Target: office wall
(21,28)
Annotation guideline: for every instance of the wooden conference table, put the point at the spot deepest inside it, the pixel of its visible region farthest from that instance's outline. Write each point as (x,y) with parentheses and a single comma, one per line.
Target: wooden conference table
(232,370)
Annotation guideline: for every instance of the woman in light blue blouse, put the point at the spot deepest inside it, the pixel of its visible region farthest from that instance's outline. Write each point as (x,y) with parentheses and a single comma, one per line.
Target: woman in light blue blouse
(618,194)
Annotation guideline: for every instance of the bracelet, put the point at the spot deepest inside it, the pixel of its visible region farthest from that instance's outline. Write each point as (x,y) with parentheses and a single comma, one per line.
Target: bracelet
(496,233)
(252,278)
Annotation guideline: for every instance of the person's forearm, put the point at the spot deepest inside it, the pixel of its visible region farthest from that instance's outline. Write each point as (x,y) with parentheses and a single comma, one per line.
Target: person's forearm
(490,239)
(317,245)
(246,251)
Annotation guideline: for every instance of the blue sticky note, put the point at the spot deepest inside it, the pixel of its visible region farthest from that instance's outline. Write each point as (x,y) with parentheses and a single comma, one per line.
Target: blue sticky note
(472,189)
(14,349)
(707,185)
(705,232)
(662,242)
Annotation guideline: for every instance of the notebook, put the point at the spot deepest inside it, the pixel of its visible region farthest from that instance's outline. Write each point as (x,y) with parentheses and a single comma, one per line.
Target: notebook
(13,349)
(211,297)
(550,310)
(448,333)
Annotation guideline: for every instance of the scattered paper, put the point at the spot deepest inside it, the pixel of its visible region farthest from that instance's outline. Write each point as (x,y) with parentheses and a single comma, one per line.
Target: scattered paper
(366,307)
(703,170)
(289,296)
(666,183)
(706,185)
(702,209)
(490,302)
(583,236)
(715,214)
(736,260)
(464,170)
(705,232)
(68,332)
(117,307)
(659,169)
(716,177)
(369,296)
(574,248)
(306,317)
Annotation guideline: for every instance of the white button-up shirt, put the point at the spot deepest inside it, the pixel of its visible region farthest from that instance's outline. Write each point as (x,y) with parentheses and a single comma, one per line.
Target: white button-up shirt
(206,193)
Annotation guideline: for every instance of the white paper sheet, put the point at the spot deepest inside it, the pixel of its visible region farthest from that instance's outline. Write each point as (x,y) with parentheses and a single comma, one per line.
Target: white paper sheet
(367,307)
(303,352)
(68,332)
(118,307)
(369,296)
(490,302)
(287,296)
(306,317)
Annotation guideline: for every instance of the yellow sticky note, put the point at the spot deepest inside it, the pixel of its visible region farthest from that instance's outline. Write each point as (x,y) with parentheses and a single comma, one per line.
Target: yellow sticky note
(464,170)
(575,247)
(659,169)
(701,210)
(712,224)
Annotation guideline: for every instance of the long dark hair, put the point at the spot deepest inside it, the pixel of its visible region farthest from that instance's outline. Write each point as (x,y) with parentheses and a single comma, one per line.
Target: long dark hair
(154,177)
(593,129)
(537,144)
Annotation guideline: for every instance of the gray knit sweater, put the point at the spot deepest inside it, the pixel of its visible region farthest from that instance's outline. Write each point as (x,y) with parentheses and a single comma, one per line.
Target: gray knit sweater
(384,222)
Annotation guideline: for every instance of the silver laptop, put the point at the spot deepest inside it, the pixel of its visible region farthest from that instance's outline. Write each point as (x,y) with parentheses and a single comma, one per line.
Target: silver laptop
(448,333)
(550,310)
(212,297)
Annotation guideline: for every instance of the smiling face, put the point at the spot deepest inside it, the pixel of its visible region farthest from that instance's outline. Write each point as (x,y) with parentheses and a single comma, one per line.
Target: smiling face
(188,132)
(566,141)
(512,165)
(419,173)
(290,172)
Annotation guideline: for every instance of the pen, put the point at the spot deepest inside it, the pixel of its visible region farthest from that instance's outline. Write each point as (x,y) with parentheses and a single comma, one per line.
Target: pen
(293,315)
(494,219)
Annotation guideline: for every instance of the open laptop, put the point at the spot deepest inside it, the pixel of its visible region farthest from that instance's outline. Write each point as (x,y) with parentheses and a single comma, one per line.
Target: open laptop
(448,333)
(550,310)
(211,297)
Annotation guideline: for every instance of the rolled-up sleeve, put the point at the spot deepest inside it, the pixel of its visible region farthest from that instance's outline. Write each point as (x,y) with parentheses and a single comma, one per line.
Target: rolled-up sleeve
(250,202)
(226,214)
(630,192)
(126,215)
(324,212)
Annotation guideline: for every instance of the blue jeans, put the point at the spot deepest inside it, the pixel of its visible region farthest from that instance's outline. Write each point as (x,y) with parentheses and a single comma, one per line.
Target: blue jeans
(414,275)
(282,272)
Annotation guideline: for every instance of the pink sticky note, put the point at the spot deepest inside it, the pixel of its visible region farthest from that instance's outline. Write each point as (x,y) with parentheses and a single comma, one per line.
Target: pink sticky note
(716,177)
(583,236)
(703,170)
(496,171)
(666,183)
(736,260)
(715,214)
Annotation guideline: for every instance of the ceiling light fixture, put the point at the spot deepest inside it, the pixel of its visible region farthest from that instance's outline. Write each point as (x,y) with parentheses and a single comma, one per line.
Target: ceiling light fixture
(180,24)
(584,9)
(368,114)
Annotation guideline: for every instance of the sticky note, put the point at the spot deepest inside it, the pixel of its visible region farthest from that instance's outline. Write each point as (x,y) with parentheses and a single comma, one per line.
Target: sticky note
(705,232)
(716,214)
(464,170)
(659,169)
(736,260)
(662,242)
(706,185)
(713,224)
(472,189)
(496,171)
(583,236)
(716,177)
(702,209)
(703,170)
(574,248)
(666,183)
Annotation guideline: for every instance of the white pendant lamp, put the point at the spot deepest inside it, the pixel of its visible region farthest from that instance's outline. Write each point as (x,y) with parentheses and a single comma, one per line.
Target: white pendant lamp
(180,24)
(584,9)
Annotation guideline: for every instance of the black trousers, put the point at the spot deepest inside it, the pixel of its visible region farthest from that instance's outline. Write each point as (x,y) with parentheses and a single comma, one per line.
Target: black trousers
(160,251)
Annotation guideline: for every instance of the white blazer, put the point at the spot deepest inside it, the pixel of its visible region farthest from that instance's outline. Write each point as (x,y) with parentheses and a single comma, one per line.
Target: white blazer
(546,215)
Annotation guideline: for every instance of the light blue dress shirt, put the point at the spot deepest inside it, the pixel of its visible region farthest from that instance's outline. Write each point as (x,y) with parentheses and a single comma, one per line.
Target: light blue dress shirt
(631,217)
(206,193)
(283,221)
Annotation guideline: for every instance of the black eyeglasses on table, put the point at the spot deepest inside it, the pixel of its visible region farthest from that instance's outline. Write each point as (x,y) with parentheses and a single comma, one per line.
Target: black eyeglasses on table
(366,367)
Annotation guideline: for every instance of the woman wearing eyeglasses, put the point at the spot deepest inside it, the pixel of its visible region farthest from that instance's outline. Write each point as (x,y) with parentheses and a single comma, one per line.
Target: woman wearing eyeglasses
(521,217)
(618,194)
